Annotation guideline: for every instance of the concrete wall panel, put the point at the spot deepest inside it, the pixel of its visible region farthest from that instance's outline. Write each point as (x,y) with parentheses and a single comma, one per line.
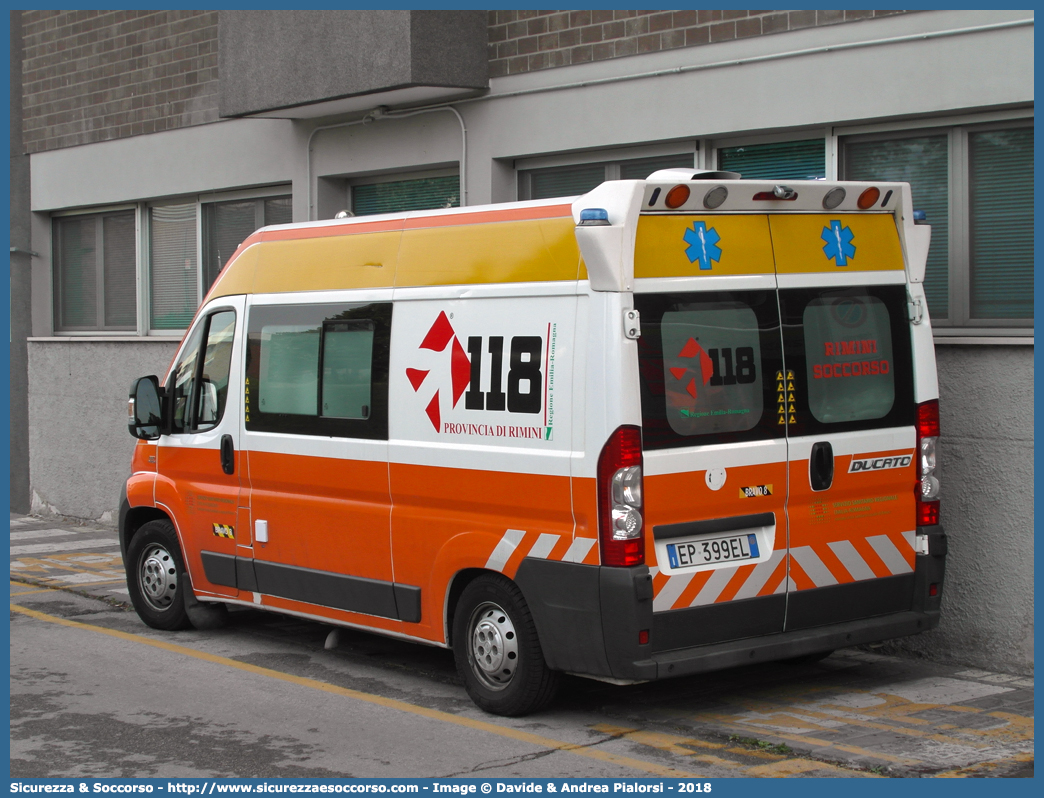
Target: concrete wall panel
(986,468)
(280,59)
(232,154)
(843,86)
(78,435)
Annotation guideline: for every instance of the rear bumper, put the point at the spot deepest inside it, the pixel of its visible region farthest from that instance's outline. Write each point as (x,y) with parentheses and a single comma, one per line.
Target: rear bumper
(785,644)
(589,617)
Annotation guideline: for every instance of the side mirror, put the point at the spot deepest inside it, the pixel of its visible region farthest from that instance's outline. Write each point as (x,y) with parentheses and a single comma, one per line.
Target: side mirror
(144,409)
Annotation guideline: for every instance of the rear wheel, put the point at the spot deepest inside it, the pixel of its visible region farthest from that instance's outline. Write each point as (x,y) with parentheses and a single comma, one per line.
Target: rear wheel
(497,651)
(155,576)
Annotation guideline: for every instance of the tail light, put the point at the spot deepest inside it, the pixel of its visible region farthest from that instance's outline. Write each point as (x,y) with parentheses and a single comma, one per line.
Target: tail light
(927,487)
(621,528)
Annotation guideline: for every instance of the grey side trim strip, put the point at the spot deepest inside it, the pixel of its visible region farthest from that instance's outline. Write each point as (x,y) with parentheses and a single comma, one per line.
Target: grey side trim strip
(351,593)
(220,569)
(408,603)
(245,579)
(713,525)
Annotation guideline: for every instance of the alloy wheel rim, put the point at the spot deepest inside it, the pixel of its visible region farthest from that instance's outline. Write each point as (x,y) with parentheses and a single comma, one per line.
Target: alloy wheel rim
(157,577)
(493,646)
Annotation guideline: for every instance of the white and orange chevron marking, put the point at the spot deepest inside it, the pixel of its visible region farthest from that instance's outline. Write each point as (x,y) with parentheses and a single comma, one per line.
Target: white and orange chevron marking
(842,561)
(721,584)
(822,565)
(516,544)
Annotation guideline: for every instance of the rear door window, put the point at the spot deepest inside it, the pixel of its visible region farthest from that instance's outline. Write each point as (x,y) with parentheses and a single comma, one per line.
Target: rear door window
(709,364)
(849,349)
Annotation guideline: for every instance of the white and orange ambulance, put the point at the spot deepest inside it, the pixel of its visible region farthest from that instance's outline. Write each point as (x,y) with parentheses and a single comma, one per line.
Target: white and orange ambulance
(674,425)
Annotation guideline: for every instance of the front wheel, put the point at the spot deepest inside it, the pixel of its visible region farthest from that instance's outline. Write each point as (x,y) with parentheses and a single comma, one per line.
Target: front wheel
(155,576)
(497,651)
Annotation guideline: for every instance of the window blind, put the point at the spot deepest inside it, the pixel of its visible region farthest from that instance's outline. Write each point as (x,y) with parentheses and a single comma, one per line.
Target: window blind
(924,163)
(225,226)
(420,194)
(120,272)
(641,168)
(174,280)
(279,210)
(784,160)
(565,181)
(76,272)
(94,272)
(1000,172)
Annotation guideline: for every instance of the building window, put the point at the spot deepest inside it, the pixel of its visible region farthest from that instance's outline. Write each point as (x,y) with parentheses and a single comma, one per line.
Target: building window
(94,272)
(568,181)
(975,185)
(395,196)
(923,162)
(183,244)
(173,274)
(782,160)
(226,225)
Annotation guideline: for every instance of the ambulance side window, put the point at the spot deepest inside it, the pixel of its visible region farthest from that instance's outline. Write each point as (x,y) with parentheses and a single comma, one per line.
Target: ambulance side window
(849,349)
(708,364)
(319,370)
(199,387)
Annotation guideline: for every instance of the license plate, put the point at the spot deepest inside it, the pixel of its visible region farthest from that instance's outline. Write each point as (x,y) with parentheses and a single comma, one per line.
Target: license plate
(713,550)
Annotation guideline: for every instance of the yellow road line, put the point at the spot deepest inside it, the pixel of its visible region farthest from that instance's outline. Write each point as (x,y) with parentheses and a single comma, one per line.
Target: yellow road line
(390,703)
(672,743)
(782,765)
(804,738)
(39,590)
(850,719)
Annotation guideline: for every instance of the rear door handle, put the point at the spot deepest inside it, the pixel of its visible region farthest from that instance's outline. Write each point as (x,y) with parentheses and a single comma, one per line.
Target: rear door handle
(228,455)
(821,466)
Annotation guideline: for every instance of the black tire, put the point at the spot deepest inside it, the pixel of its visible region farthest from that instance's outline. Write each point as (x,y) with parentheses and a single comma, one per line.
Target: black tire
(155,576)
(497,651)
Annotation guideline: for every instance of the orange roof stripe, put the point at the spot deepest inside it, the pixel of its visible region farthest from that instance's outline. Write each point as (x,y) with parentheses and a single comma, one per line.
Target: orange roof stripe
(485,217)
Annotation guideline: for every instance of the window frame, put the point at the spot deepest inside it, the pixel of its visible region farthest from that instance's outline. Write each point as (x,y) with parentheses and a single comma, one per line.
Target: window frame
(959,322)
(610,159)
(377,178)
(258,196)
(98,330)
(658,432)
(143,257)
(375,425)
(791,134)
(192,403)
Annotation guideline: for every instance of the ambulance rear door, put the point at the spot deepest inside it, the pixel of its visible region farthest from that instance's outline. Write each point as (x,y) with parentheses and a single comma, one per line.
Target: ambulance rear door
(714,445)
(848,389)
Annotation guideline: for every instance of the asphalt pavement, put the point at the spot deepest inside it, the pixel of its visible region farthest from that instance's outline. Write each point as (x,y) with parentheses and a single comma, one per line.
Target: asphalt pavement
(857,713)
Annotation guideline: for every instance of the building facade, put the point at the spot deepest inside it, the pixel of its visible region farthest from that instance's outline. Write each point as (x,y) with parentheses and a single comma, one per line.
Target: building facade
(147,144)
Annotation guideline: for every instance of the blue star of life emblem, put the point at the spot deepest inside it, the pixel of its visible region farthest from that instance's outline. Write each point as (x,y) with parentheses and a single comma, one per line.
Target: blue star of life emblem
(838,246)
(703,245)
